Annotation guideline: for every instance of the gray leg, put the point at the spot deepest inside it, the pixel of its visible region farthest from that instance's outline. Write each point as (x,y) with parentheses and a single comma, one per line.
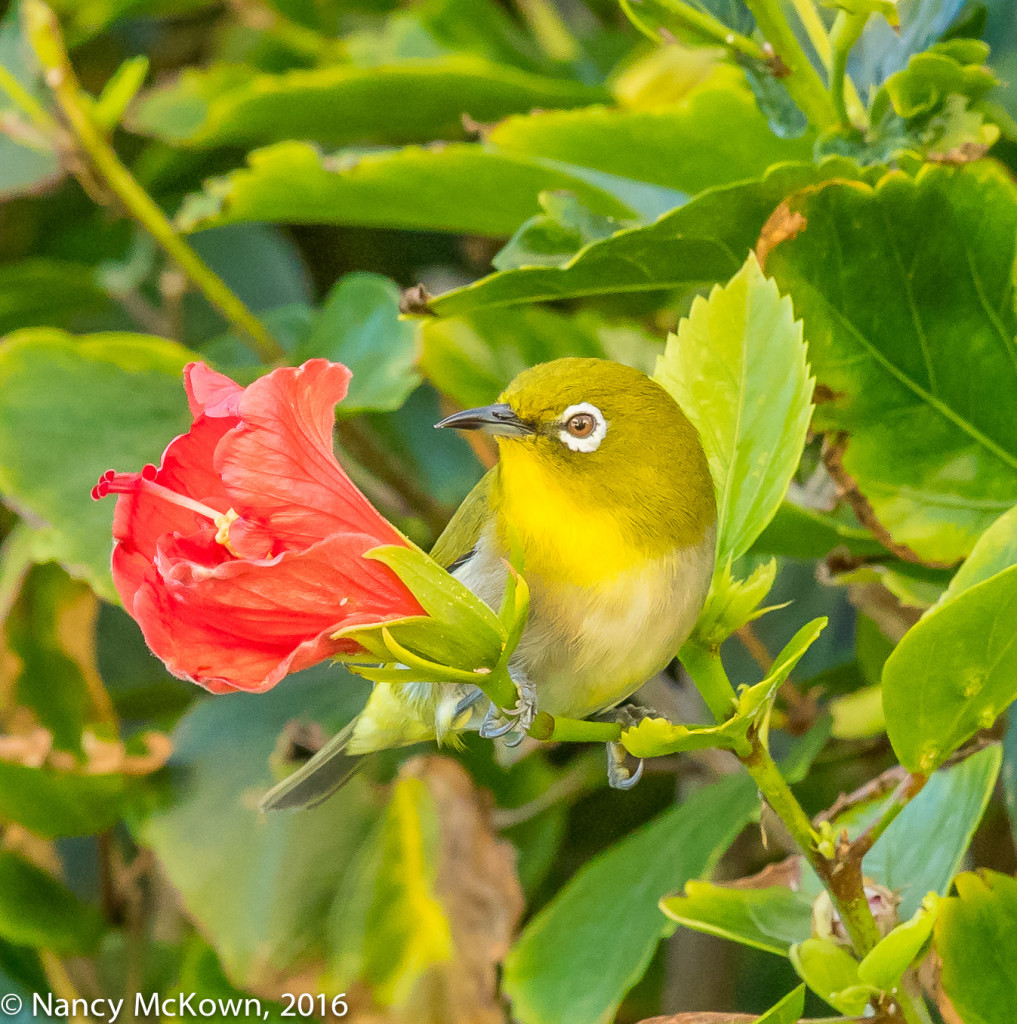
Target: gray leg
(618,775)
(519,717)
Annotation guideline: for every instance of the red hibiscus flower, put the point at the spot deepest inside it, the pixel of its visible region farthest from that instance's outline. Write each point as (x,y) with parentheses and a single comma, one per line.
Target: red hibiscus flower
(242,553)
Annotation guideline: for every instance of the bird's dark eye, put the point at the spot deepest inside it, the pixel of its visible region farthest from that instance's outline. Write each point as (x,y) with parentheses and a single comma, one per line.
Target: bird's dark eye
(581,425)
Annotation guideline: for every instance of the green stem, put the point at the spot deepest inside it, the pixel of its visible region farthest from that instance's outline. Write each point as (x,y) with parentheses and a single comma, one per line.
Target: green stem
(842,880)
(905,793)
(802,80)
(707,670)
(549,29)
(571,730)
(43,30)
(22,98)
(816,31)
(703,23)
(847,29)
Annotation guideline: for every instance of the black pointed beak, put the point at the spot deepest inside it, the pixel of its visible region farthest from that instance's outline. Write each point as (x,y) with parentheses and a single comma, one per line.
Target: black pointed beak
(495,419)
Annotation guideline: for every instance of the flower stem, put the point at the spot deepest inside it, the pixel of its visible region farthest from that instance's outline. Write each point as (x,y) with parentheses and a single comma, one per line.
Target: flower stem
(802,80)
(43,31)
(847,28)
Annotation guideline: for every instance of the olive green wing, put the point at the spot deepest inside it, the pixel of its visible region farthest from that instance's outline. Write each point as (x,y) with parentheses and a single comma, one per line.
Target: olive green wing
(460,537)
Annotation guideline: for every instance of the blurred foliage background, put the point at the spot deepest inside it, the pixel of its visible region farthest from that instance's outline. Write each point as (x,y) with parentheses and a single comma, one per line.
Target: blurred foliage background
(321,156)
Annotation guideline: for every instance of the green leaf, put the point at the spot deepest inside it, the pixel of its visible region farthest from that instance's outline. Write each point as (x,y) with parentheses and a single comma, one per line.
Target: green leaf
(684,20)
(702,242)
(472,359)
(993,552)
(640,144)
(925,845)
(50,681)
(120,90)
(975,931)
(737,368)
(605,922)
(953,673)
(882,50)
(396,871)
(37,910)
(936,273)
(60,391)
(732,603)
(28,162)
(458,187)
(55,803)
(788,1011)
(773,918)
(798,532)
(884,965)
(359,325)
(654,737)
(555,235)
(341,105)
(259,887)
(36,292)
(832,973)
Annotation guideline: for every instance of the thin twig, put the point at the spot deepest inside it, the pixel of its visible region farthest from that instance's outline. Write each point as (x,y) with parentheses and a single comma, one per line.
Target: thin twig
(94,146)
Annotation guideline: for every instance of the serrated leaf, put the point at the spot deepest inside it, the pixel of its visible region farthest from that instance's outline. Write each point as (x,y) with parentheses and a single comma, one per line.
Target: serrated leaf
(605,922)
(700,243)
(974,930)
(473,358)
(732,603)
(458,187)
(952,673)
(738,369)
(414,100)
(915,248)
(59,391)
(640,144)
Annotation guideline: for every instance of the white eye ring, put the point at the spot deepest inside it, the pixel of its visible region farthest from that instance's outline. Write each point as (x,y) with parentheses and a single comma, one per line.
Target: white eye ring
(591,442)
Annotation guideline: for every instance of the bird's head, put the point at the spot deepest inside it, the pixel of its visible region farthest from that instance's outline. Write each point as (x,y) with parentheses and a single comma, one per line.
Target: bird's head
(610,437)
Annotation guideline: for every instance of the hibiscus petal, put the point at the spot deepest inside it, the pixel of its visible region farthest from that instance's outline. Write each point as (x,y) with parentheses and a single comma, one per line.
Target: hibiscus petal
(278,465)
(211,393)
(245,624)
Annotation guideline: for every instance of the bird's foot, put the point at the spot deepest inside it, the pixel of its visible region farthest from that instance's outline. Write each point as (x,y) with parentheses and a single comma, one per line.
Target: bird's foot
(629,714)
(618,774)
(516,720)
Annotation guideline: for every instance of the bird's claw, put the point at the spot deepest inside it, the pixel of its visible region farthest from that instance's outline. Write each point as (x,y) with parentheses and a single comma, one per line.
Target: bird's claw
(518,718)
(618,776)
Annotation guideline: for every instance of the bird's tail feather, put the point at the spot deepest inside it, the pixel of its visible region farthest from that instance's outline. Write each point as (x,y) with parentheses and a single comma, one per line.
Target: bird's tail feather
(312,783)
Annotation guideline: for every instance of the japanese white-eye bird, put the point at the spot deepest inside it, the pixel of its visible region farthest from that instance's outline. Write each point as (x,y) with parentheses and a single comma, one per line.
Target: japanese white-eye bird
(603,484)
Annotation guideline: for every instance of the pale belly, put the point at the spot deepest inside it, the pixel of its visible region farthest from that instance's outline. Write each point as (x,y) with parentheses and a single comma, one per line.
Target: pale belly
(588,648)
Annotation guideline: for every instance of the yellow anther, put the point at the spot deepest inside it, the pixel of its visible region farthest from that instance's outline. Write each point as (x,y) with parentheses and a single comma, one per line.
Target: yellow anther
(223,521)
